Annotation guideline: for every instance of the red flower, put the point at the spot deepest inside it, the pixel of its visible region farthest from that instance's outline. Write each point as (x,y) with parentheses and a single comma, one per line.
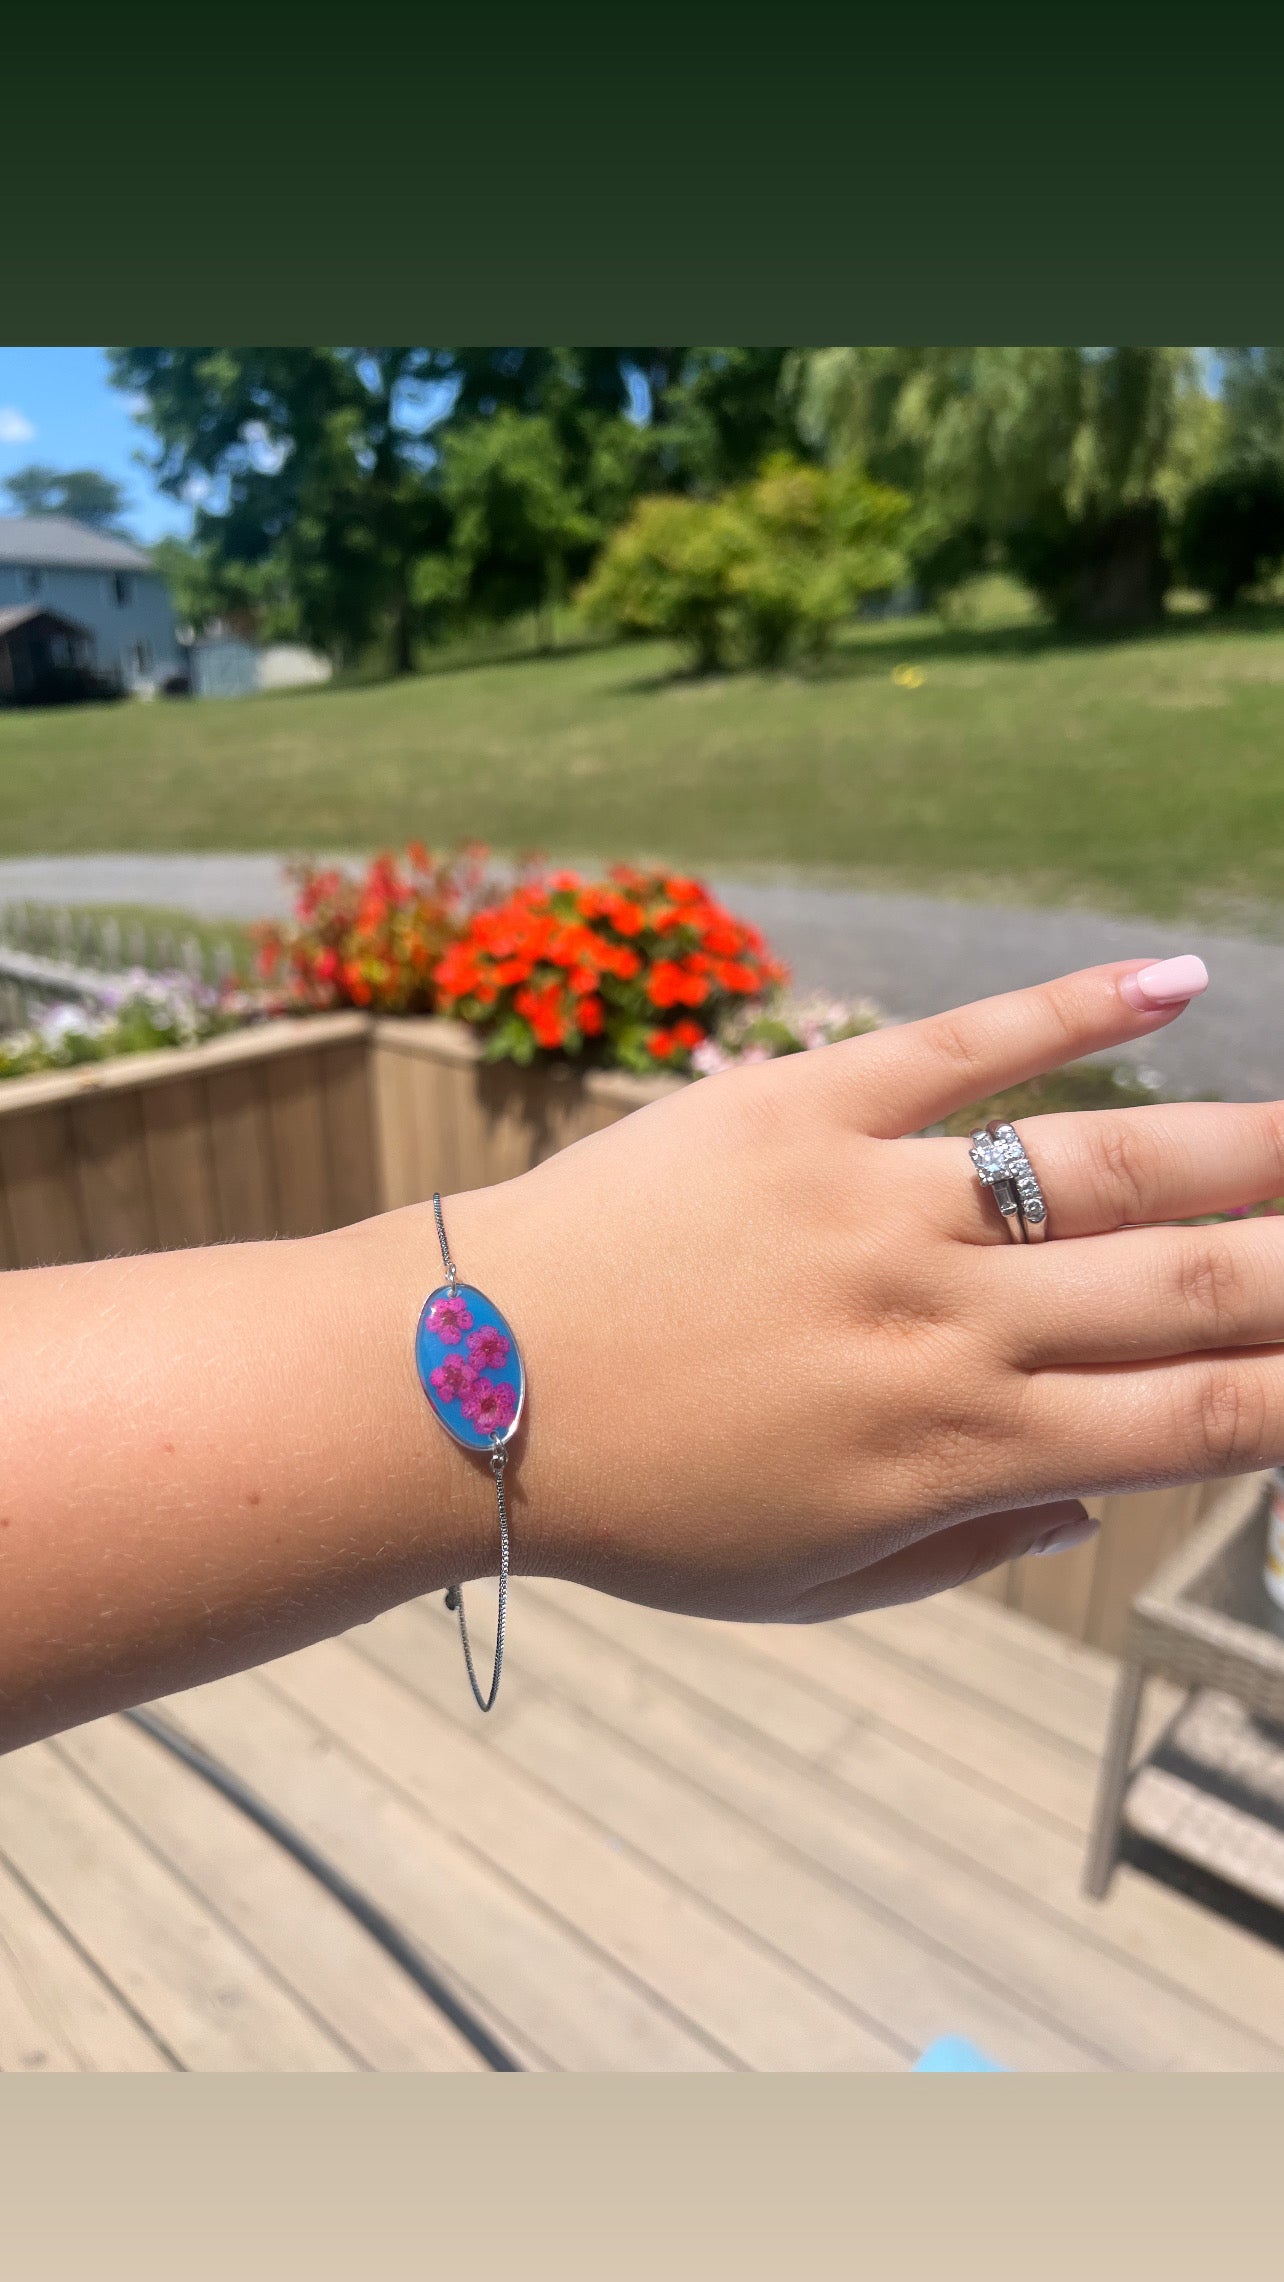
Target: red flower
(736,976)
(670,984)
(543,1011)
(578,964)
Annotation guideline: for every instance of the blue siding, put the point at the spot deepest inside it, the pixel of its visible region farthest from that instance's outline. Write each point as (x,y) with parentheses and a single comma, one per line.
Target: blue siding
(128,613)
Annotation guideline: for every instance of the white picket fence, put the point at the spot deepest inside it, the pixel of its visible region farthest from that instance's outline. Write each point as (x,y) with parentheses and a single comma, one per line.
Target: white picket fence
(51,953)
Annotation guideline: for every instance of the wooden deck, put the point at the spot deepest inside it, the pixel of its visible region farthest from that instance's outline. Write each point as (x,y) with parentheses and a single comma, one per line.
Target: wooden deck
(673,1846)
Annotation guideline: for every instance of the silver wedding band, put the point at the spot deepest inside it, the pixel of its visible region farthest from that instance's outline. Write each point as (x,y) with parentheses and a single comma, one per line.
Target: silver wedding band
(1003,1167)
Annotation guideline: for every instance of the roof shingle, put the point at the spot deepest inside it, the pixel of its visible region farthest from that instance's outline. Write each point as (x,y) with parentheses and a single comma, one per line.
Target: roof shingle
(57,541)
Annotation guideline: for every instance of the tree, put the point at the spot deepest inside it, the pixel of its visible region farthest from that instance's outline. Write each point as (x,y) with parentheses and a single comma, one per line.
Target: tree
(722,415)
(766,572)
(668,571)
(312,460)
(1253,400)
(517,520)
(360,481)
(1057,457)
(1231,534)
(817,542)
(713,415)
(81,493)
(252,600)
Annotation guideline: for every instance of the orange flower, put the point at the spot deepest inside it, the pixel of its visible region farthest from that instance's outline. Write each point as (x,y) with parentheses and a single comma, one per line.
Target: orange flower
(669,984)
(735,976)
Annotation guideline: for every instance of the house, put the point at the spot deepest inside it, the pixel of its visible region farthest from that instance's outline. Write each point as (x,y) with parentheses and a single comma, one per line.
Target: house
(102,587)
(43,657)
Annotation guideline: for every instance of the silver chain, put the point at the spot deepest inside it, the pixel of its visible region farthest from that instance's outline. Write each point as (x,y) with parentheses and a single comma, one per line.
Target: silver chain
(446,1261)
(455,1596)
(498,1462)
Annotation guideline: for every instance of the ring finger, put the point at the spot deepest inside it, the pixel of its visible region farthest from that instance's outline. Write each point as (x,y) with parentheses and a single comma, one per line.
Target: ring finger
(1108,1169)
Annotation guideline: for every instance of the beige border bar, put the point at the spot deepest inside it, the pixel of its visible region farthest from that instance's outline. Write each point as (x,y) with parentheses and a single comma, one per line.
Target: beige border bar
(1049,2179)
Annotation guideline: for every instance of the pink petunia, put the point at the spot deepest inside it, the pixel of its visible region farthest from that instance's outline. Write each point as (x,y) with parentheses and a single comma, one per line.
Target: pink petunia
(454,1378)
(490,1406)
(488,1348)
(450,1319)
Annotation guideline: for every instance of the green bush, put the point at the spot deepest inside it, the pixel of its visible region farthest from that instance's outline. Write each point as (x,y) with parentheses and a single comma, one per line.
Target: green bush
(765,573)
(1231,534)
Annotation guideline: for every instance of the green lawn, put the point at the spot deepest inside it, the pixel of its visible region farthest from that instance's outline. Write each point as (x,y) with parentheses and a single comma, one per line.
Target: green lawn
(1146,774)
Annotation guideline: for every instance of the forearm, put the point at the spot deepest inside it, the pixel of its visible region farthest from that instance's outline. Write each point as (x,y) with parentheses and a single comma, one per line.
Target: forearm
(215,1457)
(780,1364)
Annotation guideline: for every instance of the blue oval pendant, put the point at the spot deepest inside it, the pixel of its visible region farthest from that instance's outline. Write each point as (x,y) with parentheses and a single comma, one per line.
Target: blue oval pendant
(470,1366)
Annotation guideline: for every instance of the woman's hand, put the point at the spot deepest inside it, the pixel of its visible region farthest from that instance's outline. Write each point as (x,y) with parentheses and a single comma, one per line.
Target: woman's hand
(784,1363)
(781,1363)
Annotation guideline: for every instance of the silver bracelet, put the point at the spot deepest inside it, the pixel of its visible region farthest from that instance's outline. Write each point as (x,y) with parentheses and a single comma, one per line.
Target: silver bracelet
(470,1367)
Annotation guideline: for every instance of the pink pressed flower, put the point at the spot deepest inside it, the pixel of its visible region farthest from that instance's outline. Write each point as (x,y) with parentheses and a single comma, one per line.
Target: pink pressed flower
(450,1319)
(454,1378)
(488,1348)
(490,1407)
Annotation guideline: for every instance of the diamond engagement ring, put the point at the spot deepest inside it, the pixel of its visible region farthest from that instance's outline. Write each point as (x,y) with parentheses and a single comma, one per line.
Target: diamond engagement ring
(1003,1167)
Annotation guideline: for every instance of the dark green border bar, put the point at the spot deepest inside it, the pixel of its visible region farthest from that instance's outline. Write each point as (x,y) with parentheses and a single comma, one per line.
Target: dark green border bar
(805,172)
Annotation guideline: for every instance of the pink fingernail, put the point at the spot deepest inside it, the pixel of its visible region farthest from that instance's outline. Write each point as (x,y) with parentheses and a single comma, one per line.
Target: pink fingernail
(1169,983)
(1067,1533)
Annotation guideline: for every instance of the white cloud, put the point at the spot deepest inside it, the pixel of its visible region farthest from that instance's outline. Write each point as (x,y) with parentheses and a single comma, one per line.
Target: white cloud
(15,427)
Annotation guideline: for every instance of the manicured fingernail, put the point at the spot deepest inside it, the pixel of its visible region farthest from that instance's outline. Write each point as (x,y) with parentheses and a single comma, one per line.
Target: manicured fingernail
(1169,983)
(1066,1534)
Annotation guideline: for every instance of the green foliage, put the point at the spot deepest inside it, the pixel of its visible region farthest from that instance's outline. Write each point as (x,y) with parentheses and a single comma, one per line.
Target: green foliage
(721,416)
(517,520)
(251,599)
(668,572)
(79,492)
(1232,531)
(765,573)
(1253,404)
(1057,457)
(157,1011)
(307,460)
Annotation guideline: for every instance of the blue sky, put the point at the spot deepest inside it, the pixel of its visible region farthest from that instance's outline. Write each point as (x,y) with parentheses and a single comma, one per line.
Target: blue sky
(58,406)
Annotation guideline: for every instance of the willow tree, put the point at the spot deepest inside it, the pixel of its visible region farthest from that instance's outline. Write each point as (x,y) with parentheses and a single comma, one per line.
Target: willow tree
(1059,461)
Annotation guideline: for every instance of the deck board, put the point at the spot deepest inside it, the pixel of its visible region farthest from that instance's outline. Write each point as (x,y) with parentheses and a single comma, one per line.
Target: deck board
(307,1939)
(57,2013)
(674,1845)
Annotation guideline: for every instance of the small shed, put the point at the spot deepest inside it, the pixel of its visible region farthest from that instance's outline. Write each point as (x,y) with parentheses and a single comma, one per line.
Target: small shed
(222,665)
(43,656)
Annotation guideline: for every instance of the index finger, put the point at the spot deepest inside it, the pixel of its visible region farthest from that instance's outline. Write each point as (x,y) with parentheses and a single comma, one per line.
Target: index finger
(917,1074)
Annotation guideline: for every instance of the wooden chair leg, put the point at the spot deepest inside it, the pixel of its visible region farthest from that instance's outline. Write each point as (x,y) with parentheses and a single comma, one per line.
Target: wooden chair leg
(1116,1765)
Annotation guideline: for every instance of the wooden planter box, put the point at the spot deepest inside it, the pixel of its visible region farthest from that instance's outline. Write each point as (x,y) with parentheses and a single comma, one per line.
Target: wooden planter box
(304,1125)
